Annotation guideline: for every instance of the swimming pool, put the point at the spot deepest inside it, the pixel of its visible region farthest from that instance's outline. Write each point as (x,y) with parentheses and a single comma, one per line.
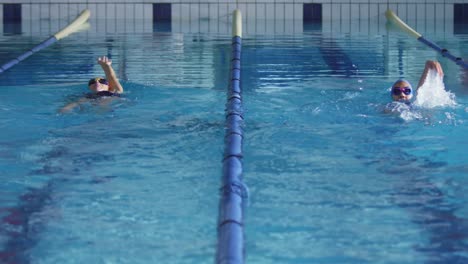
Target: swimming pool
(332,178)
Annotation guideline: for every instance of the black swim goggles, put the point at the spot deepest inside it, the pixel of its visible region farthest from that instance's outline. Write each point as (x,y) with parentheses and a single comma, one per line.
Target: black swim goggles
(100,80)
(399,90)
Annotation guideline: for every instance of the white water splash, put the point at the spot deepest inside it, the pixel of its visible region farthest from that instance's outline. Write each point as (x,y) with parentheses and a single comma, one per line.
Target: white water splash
(403,110)
(433,94)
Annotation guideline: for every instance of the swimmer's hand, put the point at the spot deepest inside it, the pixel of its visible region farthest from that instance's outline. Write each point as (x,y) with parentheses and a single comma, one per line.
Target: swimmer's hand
(104,61)
(435,65)
(431,66)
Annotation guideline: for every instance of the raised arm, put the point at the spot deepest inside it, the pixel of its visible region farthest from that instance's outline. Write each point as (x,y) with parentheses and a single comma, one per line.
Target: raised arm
(430,65)
(114,84)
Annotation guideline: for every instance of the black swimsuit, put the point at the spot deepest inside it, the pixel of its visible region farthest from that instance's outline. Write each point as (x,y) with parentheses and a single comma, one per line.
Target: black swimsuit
(101,94)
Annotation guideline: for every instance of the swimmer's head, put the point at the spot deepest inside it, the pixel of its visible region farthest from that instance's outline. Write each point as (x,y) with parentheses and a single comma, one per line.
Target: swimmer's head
(402,91)
(98,84)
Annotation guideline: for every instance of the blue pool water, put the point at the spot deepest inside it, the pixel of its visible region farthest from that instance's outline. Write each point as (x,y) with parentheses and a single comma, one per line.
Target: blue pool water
(332,178)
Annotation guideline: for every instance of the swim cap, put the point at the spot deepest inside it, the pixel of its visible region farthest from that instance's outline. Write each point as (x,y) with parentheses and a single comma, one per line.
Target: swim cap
(402,80)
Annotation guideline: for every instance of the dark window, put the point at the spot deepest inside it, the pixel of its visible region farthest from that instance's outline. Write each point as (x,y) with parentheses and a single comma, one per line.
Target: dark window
(161,12)
(312,12)
(12,19)
(460,18)
(11,13)
(460,13)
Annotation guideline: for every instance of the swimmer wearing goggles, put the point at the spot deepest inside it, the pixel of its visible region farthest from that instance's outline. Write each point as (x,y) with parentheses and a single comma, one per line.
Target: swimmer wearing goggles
(110,83)
(402,90)
(100,87)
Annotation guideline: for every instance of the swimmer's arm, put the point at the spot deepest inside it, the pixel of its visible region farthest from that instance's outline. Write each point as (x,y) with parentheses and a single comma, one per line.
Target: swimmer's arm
(114,83)
(72,105)
(430,65)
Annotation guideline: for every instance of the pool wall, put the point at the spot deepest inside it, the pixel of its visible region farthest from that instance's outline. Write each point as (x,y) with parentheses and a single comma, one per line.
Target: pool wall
(213,16)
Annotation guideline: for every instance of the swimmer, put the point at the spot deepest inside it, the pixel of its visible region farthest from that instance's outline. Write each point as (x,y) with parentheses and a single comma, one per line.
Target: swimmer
(402,91)
(100,87)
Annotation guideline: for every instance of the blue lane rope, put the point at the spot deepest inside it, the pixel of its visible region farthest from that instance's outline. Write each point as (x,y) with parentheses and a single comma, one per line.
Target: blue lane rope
(75,25)
(234,192)
(444,52)
(28,53)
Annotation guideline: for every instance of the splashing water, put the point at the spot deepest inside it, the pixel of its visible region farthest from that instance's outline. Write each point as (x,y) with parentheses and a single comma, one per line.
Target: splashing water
(403,110)
(433,94)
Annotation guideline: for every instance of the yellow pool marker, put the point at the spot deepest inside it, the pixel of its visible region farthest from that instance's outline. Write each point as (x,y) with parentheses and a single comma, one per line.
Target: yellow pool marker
(400,23)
